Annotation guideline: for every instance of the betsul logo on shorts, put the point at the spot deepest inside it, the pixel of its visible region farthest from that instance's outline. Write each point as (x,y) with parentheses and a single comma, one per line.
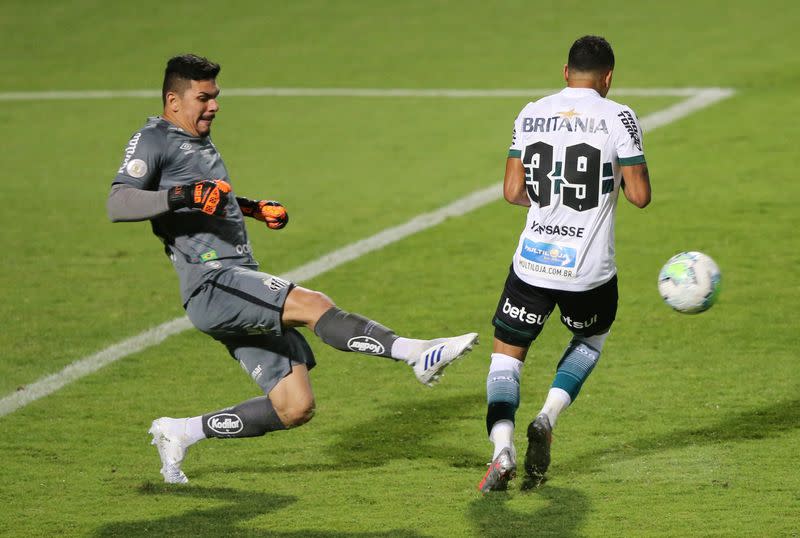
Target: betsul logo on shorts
(574,324)
(519,312)
(225,423)
(365,344)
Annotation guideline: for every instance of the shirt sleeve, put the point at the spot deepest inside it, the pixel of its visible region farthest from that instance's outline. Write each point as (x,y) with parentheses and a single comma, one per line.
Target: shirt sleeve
(630,149)
(129,204)
(142,160)
(515,151)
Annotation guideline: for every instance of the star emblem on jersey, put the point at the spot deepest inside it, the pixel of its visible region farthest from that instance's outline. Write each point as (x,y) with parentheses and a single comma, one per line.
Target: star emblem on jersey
(569,113)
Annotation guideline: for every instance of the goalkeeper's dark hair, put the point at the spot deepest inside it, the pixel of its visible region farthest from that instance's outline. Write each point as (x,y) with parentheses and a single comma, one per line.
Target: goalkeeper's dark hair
(591,53)
(182,69)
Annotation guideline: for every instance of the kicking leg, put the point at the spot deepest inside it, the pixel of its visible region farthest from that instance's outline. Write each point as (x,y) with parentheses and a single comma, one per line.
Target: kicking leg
(347,331)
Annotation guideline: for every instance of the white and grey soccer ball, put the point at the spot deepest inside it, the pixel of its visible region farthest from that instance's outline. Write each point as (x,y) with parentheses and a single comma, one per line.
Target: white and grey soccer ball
(690,282)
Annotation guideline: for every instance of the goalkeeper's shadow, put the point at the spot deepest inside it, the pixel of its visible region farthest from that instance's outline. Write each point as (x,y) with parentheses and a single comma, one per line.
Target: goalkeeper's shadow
(407,431)
(211,519)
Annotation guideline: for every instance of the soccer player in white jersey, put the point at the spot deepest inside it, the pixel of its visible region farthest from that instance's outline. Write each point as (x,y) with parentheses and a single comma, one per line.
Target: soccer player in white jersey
(570,154)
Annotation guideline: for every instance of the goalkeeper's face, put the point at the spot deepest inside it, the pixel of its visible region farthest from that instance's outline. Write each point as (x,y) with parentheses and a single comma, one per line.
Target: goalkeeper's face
(195,109)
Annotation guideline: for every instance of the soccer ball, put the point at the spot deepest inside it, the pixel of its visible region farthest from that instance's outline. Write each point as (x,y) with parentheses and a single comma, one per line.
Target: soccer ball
(689,282)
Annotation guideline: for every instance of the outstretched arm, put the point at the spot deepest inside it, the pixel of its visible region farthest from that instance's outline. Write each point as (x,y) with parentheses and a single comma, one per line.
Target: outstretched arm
(128,204)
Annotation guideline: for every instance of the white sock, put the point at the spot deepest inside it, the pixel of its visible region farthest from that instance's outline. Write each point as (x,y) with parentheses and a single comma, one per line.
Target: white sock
(193,429)
(503,437)
(408,349)
(557,400)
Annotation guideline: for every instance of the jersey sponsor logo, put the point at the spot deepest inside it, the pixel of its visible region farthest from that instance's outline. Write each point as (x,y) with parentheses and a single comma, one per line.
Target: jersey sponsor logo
(566,231)
(630,125)
(244,249)
(257,372)
(365,344)
(136,168)
(519,312)
(574,324)
(225,423)
(569,123)
(129,151)
(548,253)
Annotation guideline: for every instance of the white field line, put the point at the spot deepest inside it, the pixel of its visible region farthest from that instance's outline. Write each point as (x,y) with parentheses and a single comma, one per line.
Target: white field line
(344,92)
(47,385)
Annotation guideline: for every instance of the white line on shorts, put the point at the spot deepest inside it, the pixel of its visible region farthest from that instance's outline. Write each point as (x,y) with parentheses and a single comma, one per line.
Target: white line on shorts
(696,100)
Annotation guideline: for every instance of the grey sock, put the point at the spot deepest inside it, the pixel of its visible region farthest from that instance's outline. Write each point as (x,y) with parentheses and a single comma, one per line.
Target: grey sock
(252,418)
(352,332)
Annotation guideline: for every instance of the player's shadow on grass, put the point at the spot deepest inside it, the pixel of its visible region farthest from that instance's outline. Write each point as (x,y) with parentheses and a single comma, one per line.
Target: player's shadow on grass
(408,431)
(755,424)
(563,515)
(413,430)
(233,508)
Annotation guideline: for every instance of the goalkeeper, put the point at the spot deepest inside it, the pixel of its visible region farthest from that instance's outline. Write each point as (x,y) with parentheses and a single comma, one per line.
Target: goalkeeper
(173,175)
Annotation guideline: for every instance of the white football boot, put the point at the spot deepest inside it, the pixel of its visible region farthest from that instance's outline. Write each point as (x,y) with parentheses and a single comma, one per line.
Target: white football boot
(439,354)
(171,447)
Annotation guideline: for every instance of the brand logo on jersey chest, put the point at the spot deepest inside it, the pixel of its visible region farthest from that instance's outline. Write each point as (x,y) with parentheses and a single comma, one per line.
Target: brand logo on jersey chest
(570,123)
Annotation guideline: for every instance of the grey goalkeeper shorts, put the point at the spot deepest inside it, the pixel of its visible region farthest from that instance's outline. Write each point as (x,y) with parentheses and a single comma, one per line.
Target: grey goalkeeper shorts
(242,309)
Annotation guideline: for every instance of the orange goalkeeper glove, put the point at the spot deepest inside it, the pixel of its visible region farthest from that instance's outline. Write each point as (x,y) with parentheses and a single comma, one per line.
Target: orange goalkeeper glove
(209,196)
(270,212)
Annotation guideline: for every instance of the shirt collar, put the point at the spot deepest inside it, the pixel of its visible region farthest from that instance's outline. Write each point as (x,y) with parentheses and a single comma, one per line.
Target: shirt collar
(579,92)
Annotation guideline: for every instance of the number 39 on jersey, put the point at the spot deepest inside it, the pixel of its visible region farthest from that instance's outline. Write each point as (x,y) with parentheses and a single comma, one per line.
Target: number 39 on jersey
(579,179)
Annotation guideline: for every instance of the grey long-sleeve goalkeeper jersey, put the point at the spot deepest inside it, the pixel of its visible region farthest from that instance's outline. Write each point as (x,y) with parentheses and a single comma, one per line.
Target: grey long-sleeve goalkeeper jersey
(161,155)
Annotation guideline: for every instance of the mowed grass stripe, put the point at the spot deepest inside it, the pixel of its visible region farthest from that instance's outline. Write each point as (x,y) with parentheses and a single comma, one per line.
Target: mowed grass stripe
(696,100)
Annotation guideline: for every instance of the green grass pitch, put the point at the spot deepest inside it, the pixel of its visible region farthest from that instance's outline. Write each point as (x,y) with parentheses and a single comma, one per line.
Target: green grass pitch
(688,427)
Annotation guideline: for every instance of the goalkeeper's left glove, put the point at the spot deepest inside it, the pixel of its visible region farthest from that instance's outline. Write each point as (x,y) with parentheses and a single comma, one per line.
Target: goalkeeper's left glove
(270,212)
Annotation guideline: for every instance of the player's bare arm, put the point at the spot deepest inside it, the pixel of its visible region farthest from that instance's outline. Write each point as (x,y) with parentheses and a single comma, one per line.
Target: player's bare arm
(514,183)
(636,184)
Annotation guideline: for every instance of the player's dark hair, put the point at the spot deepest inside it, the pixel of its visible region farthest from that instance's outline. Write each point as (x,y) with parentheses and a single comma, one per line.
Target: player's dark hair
(591,53)
(181,70)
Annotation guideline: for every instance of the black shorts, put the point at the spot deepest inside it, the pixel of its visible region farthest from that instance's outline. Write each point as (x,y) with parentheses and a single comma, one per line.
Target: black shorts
(523,310)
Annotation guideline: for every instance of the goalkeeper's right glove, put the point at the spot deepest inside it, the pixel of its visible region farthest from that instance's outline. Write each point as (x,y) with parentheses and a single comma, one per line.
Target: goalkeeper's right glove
(209,196)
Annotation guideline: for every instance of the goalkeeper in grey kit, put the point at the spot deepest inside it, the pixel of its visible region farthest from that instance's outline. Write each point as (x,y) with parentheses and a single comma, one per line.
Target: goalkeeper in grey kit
(173,175)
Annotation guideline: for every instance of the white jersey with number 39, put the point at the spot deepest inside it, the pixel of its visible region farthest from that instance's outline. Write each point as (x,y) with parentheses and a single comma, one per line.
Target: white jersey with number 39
(572,145)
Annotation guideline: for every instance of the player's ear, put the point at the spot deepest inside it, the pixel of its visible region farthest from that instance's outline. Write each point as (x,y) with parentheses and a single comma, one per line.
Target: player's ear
(173,101)
(566,73)
(608,77)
